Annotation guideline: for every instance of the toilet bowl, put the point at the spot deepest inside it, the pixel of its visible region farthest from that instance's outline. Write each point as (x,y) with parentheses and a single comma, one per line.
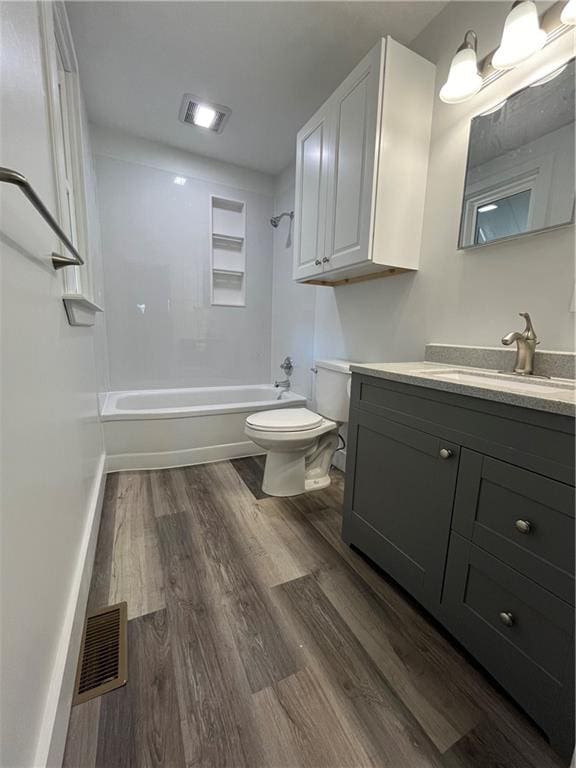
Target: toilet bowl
(300,443)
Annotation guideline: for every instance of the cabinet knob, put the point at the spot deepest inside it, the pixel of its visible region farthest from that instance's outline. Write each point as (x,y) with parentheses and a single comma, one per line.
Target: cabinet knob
(506,618)
(317,262)
(325,259)
(445,453)
(523,526)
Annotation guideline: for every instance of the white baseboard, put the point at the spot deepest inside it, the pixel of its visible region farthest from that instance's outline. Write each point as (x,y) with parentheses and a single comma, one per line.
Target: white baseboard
(52,739)
(167,459)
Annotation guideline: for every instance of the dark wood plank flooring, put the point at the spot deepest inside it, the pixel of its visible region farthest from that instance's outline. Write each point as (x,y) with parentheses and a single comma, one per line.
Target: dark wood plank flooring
(258,639)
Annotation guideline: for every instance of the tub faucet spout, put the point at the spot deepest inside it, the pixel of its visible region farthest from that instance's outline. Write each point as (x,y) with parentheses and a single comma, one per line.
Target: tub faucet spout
(283,386)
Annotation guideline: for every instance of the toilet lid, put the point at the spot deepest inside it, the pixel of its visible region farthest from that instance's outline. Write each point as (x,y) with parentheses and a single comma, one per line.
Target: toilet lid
(284,420)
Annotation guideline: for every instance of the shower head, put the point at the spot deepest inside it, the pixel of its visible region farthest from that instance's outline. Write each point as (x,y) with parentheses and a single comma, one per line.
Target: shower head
(275,220)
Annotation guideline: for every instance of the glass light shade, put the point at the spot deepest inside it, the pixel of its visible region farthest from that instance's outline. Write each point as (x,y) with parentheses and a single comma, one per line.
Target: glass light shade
(521,37)
(568,15)
(463,79)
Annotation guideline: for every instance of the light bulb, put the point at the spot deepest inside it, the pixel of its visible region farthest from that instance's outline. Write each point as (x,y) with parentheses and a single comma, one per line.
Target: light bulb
(463,78)
(568,15)
(521,37)
(204,116)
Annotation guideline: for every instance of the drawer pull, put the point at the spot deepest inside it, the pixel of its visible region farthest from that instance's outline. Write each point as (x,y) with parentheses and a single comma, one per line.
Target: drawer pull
(506,618)
(445,453)
(317,262)
(523,526)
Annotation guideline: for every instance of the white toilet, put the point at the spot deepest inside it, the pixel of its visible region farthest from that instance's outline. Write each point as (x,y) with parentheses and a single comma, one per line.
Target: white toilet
(299,442)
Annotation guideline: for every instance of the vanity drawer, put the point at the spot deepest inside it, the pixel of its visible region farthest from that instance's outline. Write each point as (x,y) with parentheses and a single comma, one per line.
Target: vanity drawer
(520,517)
(537,441)
(520,632)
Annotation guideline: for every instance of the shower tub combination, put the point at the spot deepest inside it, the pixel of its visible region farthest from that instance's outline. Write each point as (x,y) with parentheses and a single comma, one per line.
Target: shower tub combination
(159,428)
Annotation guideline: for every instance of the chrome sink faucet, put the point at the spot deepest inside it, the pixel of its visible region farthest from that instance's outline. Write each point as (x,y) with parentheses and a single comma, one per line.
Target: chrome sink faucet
(526,343)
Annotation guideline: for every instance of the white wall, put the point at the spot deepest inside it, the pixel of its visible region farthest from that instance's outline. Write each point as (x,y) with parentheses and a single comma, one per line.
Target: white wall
(51,439)
(459,297)
(292,303)
(161,329)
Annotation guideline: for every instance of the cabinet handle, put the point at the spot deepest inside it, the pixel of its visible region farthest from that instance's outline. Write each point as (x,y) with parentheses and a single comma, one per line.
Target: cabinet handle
(317,262)
(523,526)
(506,618)
(325,259)
(445,453)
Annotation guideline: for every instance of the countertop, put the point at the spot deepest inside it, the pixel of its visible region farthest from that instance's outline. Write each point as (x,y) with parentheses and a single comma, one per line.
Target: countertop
(528,392)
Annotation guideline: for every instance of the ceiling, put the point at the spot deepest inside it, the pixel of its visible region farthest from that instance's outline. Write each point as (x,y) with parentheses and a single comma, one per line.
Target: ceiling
(272,63)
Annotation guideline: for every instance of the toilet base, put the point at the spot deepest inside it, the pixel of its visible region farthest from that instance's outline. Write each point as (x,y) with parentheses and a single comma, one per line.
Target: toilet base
(290,473)
(317,483)
(284,474)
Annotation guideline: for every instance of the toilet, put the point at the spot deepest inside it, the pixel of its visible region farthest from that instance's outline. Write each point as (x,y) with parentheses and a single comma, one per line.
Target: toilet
(300,443)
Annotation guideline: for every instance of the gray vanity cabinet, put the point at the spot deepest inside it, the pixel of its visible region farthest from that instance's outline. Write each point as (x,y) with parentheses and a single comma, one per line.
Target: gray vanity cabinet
(469,505)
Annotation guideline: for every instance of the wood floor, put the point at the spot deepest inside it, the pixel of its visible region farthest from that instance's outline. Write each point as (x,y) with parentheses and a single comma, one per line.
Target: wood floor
(256,638)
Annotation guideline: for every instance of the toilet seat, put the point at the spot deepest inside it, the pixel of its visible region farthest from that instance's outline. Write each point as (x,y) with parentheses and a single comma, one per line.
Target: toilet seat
(284,420)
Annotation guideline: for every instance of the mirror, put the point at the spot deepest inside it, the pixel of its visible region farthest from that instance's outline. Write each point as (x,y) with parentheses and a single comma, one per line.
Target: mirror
(520,170)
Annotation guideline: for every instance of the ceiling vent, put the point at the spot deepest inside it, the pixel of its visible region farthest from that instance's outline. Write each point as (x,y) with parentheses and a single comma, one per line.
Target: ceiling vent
(202,114)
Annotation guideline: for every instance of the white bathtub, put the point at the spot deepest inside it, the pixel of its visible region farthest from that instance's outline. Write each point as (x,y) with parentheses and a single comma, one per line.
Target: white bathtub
(159,428)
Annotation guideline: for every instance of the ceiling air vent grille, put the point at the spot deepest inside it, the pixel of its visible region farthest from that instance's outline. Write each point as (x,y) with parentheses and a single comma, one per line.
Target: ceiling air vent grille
(189,111)
(103,663)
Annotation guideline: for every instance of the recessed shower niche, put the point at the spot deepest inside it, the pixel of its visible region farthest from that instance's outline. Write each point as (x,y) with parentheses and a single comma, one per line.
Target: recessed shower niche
(228,248)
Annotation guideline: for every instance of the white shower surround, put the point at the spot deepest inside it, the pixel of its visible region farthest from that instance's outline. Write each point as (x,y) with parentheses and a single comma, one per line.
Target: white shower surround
(160,428)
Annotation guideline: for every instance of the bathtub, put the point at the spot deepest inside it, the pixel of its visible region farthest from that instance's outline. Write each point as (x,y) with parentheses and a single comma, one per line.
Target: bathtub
(159,428)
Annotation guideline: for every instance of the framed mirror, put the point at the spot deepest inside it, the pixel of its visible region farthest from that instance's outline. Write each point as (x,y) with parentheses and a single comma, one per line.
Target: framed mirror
(520,169)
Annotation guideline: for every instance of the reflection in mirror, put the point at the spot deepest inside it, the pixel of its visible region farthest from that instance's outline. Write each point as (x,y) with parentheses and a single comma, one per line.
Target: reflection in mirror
(520,171)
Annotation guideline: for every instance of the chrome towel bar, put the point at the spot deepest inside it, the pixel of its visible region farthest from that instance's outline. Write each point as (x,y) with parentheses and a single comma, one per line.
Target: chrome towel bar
(13,177)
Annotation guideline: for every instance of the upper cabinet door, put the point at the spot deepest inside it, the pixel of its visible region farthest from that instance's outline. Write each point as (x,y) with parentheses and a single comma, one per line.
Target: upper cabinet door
(350,190)
(312,170)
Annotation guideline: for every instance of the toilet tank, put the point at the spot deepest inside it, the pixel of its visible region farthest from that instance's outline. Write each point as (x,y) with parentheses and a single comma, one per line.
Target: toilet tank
(332,389)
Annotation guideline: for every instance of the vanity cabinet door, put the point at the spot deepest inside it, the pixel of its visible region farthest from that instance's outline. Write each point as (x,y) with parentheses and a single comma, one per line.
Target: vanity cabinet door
(399,502)
(312,172)
(524,519)
(519,631)
(351,186)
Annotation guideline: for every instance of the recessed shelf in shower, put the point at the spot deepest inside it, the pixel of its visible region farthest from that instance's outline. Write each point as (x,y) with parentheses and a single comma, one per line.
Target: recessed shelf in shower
(227,242)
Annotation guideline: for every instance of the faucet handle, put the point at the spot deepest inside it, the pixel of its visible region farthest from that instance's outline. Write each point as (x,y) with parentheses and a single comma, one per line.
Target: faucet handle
(529,332)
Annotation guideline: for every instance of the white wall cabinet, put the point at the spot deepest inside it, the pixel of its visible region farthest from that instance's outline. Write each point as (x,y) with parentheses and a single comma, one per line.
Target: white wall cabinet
(361,167)
(312,176)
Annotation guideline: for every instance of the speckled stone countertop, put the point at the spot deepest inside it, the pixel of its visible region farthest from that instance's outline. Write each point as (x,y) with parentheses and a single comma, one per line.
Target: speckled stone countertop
(560,365)
(551,395)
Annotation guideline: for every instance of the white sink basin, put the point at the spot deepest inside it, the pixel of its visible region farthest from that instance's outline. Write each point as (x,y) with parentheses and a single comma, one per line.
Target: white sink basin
(525,385)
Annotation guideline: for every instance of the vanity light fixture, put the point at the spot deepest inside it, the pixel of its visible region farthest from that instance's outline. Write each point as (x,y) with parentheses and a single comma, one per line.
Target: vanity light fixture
(568,15)
(463,79)
(486,208)
(522,36)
